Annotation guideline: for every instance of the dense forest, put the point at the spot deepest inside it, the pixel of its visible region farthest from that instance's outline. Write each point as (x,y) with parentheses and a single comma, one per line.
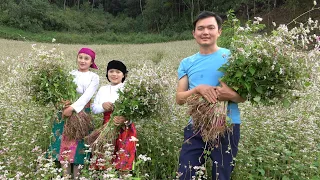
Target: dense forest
(127,16)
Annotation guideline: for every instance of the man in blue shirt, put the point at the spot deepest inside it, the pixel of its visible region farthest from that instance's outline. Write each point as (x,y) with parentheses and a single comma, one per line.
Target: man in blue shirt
(198,74)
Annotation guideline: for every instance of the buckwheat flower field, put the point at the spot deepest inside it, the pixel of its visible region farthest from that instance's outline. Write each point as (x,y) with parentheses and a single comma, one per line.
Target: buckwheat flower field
(276,142)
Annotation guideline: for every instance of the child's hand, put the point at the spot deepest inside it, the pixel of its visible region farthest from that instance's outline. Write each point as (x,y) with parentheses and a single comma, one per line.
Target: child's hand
(107,106)
(119,120)
(67,111)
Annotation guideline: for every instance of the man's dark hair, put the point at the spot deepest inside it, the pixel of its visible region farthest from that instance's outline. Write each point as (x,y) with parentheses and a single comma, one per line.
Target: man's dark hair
(206,14)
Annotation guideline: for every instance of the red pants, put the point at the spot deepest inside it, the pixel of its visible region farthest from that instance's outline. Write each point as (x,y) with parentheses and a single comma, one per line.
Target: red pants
(125,147)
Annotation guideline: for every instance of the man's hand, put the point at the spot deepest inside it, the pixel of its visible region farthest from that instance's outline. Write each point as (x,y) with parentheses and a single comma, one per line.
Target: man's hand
(208,92)
(119,120)
(225,93)
(107,106)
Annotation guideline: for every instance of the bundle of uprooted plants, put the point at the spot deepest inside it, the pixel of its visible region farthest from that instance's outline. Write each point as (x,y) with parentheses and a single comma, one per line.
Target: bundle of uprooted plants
(140,99)
(78,125)
(263,69)
(51,84)
(209,119)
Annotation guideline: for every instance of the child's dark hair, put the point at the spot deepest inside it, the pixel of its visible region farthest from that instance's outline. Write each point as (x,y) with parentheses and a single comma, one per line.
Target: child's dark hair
(116,64)
(206,14)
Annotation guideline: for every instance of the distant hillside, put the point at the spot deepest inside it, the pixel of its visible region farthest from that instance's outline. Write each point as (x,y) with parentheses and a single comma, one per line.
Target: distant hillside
(132,21)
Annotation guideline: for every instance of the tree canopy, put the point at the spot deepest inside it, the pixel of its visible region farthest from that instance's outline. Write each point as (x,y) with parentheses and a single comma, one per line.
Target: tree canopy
(152,16)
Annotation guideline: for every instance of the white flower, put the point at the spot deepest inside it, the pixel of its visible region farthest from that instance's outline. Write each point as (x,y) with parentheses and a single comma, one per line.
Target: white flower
(134,139)
(259,19)
(86,145)
(106,176)
(53,40)
(144,157)
(315,3)
(281,71)
(259,60)
(36,148)
(240,29)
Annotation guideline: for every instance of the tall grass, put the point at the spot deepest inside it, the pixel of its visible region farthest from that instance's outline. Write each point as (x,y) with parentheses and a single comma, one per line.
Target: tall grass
(108,37)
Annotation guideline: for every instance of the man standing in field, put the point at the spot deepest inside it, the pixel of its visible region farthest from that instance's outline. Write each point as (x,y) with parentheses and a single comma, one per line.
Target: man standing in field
(198,74)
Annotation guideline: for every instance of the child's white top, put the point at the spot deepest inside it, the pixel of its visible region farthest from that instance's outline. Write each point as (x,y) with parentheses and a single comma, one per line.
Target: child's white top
(87,84)
(108,93)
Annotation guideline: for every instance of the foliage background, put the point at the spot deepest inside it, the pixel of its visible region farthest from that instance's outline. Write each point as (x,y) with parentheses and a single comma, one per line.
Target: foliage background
(133,21)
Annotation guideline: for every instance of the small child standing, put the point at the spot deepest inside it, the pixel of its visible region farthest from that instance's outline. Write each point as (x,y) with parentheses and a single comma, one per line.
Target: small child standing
(103,103)
(71,153)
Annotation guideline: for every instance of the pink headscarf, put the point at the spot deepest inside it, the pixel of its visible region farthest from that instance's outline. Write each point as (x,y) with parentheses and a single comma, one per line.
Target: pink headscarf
(92,54)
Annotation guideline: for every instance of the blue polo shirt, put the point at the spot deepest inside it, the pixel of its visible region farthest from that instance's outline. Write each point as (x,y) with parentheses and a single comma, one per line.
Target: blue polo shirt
(203,69)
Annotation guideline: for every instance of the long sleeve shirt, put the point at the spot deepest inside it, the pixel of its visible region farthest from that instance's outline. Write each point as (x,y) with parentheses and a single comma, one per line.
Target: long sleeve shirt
(87,84)
(108,93)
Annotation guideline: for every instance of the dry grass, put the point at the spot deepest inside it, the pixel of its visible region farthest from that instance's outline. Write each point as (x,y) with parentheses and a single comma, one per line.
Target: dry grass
(171,52)
(131,54)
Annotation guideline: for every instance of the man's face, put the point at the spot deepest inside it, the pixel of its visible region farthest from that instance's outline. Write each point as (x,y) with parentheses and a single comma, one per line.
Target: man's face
(207,32)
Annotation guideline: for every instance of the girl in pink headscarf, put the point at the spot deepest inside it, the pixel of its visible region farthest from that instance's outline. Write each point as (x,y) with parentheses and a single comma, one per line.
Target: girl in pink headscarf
(71,153)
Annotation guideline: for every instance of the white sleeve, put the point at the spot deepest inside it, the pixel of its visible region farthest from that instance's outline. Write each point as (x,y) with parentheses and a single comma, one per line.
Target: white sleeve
(96,106)
(87,95)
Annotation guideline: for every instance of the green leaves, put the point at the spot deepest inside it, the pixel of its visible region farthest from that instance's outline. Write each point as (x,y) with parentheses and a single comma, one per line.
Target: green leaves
(141,95)
(257,99)
(238,74)
(262,171)
(286,103)
(252,70)
(50,82)
(285,178)
(259,89)
(307,84)
(263,67)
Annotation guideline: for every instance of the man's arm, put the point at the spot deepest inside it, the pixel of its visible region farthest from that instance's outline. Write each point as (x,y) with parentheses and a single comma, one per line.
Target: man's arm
(208,92)
(182,90)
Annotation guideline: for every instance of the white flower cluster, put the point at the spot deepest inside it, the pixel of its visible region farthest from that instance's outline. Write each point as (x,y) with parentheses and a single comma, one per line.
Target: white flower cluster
(143,94)
(144,157)
(265,67)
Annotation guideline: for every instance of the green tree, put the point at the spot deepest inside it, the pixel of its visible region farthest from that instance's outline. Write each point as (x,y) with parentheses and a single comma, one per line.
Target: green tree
(134,8)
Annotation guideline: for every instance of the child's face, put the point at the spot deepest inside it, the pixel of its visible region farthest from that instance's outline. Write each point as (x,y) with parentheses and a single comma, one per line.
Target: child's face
(84,62)
(115,76)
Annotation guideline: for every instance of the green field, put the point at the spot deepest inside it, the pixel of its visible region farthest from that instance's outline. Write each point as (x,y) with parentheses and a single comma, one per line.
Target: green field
(276,142)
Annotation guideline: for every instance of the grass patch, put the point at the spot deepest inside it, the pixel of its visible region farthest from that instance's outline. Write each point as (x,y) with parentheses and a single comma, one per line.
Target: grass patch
(90,38)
